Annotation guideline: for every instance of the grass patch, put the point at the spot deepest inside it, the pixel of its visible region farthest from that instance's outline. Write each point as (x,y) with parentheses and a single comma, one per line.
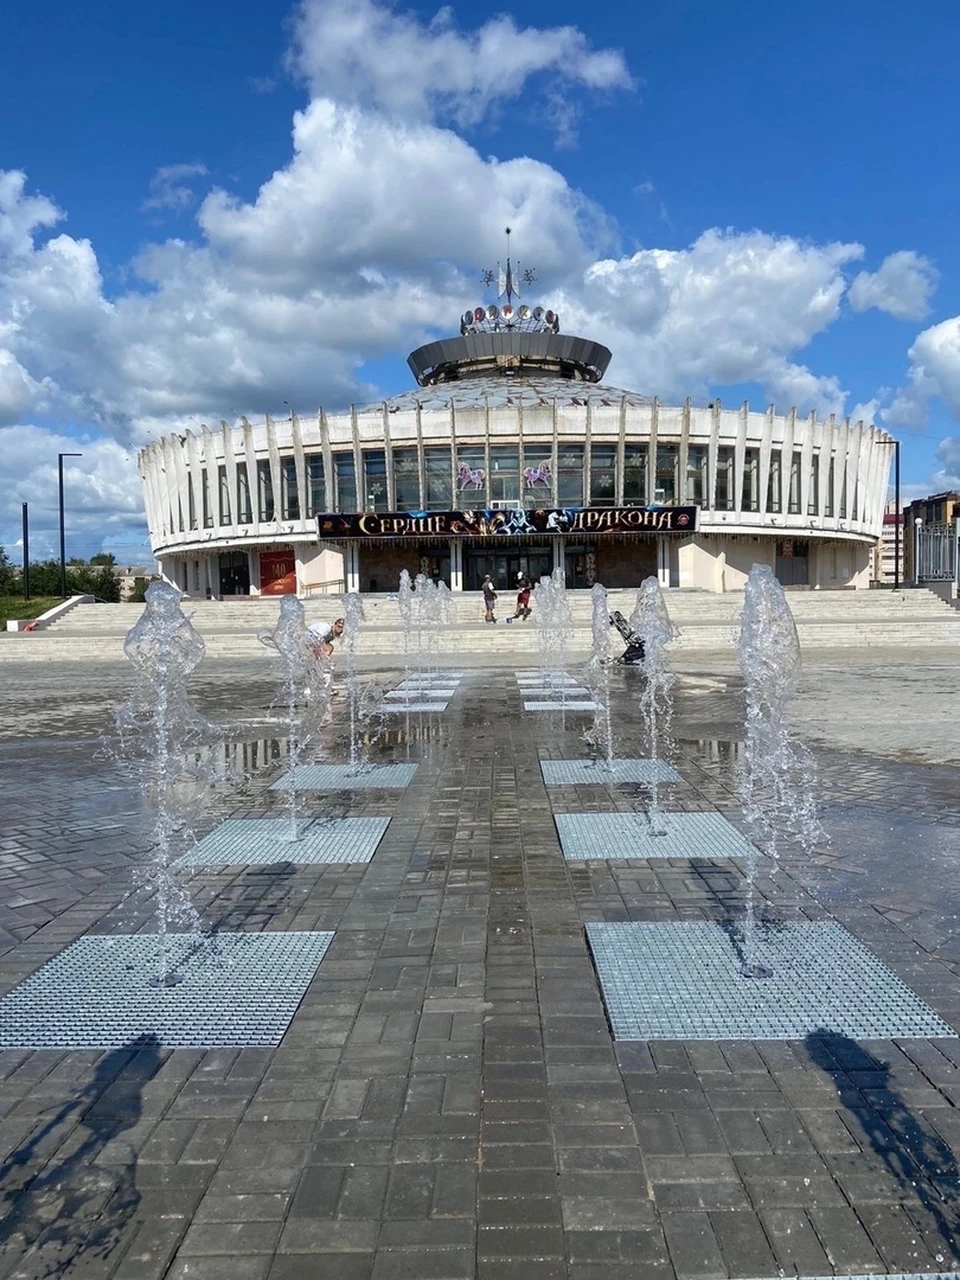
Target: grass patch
(17,607)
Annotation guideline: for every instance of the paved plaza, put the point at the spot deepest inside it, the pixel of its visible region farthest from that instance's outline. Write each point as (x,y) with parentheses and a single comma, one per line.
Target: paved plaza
(449,1100)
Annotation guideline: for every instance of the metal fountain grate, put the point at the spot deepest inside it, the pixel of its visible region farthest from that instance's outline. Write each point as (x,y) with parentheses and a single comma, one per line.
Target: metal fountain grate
(412,706)
(341,777)
(599,836)
(557,773)
(683,982)
(261,841)
(544,677)
(559,693)
(409,695)
(883,1275)
(560,704)
(237,989)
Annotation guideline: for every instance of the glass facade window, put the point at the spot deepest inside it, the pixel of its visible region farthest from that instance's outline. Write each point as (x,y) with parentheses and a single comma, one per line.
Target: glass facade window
(570,475)
(224,495)
(316,493)
(244,505)
(472,490)
(375,480)
(505,475)
(406,479)
(813,498)
(345,470)
(773,482)
(843,496)
(751,480)
(538,467)
(828,504)
(635,475)
(793,499)
(265,505)
(191,504)
(696,474)
(668,464)
(603,475)
(725,474)
(438,468)
(291,496)
(205,499)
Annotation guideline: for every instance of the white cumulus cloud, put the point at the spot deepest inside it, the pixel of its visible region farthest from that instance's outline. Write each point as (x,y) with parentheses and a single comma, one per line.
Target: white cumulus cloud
(368,53)
(902,286)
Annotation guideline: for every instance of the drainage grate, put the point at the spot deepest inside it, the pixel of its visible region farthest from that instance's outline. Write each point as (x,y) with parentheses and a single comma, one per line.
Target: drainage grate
(596,836)
(552,693)
(343,777)
(683,982)
(545,678)
(557,773)
(248,841)
(237,989)
(412,706)
(410,694)
(566,704)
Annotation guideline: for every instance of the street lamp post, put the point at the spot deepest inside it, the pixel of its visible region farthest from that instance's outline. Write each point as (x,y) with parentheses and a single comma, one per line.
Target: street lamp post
(63,544)
(917,526)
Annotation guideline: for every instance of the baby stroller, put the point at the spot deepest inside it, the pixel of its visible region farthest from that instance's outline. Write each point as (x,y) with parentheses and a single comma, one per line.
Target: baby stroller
(634,650)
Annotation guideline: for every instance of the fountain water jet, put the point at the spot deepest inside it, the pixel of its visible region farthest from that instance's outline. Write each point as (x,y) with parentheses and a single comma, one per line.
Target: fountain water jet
(600,735)
(777,777)
(651,621)
(307,685)
(164,741)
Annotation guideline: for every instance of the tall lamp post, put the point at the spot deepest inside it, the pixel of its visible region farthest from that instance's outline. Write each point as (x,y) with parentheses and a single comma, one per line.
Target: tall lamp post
(63,544)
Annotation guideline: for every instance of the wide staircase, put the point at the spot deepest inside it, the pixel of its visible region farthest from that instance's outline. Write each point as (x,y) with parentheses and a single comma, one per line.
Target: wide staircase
(825,620)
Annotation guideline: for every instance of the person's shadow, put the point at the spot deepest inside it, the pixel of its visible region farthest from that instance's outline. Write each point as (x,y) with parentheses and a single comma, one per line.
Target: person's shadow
(59,1210)
(915,1156)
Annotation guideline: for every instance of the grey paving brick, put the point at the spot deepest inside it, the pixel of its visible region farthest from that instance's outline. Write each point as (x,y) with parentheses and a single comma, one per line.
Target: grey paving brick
(693,1246)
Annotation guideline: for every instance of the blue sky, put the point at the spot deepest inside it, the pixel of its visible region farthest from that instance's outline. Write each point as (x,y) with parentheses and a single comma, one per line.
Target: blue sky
(791,129)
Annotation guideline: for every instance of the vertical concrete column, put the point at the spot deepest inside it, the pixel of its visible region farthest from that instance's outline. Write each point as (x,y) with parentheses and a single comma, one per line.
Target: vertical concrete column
(456,564)
(351,564)
(556,544)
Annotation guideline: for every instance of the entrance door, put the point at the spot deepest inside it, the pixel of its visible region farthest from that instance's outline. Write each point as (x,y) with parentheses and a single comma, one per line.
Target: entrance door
(503,564)
(580,566)
(278,573)
(234,573)
(793,562)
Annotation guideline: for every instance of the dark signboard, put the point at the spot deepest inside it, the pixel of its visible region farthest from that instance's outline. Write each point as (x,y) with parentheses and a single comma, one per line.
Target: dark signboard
(579,521)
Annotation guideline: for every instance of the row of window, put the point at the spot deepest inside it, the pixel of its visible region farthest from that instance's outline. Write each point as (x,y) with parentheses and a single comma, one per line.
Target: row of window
(475,477)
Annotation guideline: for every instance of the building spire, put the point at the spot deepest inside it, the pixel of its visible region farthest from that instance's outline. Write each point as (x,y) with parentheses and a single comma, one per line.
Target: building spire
(505,315)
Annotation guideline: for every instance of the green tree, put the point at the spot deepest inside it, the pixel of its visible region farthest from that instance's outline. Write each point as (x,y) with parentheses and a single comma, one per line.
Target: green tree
(104,557)
(107,584)
(9,578)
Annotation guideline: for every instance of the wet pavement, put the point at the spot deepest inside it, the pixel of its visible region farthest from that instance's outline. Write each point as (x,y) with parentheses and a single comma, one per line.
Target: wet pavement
(448,1101)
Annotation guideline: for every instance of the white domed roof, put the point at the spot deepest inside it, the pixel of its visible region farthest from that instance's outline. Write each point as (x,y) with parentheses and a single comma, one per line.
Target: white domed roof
(495,393)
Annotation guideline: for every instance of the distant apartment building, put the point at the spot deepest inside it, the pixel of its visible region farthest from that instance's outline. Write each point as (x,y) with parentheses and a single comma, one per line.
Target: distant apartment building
(888,553)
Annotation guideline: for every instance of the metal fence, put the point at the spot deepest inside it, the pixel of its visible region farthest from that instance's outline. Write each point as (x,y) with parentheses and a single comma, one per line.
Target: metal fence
(935,549)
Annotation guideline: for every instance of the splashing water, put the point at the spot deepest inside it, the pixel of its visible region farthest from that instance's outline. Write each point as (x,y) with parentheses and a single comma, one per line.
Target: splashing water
(307,679)
(777,777)
(353,615)
(554,623)
(164,742)
(600,735)
(405,605)
(651,621)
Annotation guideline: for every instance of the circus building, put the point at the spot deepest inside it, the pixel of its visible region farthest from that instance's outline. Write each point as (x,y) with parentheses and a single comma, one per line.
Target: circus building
(513,455)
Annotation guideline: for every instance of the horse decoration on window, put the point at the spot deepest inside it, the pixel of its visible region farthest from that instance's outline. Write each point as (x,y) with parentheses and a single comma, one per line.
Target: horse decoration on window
(536,475)
(467,476)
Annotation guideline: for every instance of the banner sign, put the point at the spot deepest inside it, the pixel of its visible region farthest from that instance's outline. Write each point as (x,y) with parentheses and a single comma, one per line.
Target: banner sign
(578,521)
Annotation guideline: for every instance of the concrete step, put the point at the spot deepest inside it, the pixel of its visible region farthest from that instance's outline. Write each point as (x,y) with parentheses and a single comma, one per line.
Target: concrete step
(478,639)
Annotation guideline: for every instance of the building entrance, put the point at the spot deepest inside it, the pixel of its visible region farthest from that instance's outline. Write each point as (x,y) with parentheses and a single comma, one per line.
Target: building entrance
(503,564)
(234,573)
